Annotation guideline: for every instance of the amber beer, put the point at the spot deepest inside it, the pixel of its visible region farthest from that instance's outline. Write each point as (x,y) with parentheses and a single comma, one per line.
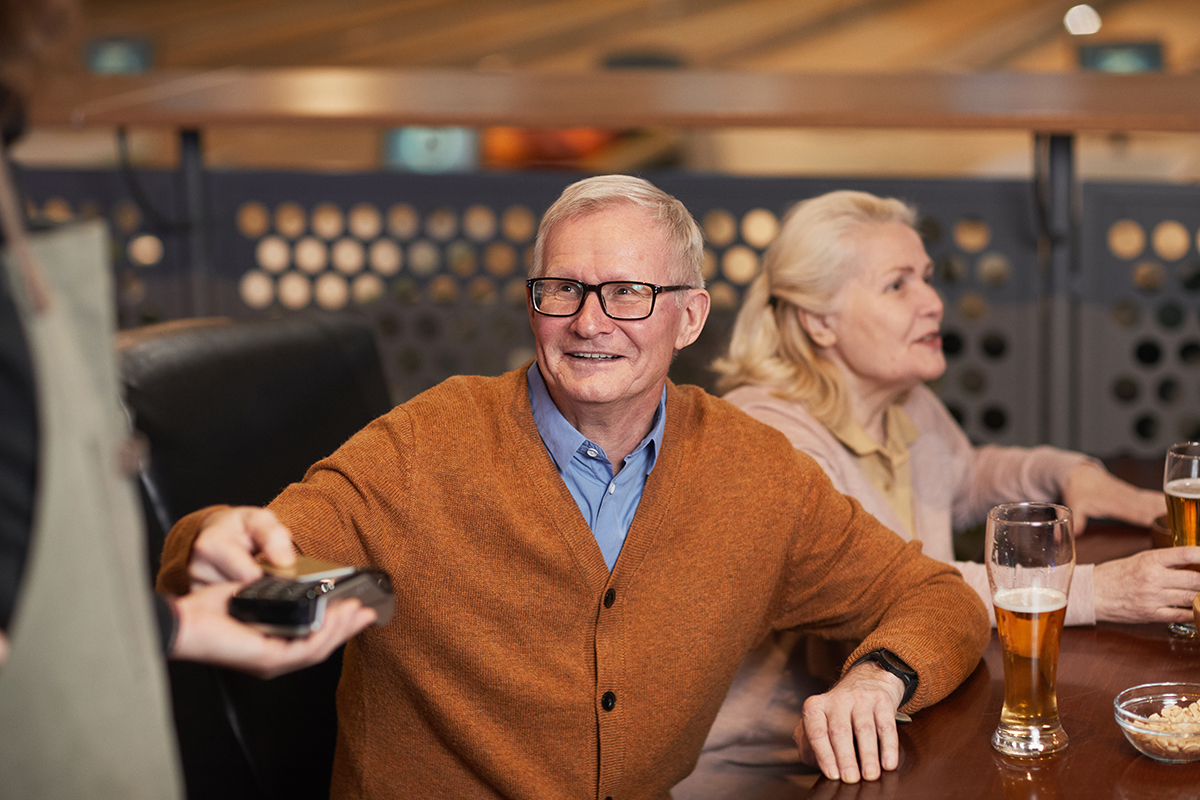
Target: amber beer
(1030,624)
(1183,496)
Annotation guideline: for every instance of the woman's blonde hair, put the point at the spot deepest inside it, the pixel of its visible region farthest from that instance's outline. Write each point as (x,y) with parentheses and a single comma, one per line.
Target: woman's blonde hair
(810,260)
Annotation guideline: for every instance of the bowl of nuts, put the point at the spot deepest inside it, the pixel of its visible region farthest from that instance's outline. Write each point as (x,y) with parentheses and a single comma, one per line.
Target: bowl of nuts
(1162,720)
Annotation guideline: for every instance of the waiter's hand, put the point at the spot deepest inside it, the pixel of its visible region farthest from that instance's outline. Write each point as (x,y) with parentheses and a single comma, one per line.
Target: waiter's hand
(208,634)
(230,541)
(861,708)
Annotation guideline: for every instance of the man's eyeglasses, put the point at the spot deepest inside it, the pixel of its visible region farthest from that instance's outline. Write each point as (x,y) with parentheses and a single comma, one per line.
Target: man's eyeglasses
(625,300)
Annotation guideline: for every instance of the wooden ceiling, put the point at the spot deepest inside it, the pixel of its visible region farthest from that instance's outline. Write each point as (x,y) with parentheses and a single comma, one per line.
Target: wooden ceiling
(574,35)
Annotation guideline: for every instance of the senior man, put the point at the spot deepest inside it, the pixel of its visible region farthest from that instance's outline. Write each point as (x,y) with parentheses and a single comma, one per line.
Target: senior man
(583,551)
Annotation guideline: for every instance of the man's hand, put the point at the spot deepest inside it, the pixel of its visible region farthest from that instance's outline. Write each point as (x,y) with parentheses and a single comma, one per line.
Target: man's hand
(229,542)
(1149,586)
(861,708)
(1092,492)
(208,634)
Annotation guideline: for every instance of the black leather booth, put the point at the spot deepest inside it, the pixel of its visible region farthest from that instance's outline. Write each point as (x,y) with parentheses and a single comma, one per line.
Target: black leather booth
(233,412)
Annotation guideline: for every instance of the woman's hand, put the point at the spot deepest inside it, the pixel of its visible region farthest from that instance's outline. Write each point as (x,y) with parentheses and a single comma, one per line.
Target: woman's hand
(1148,586)
(1091,492)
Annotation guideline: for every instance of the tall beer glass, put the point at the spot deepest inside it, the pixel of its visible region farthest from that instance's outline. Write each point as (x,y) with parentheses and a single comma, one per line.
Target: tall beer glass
(1030,561)
(1181,484)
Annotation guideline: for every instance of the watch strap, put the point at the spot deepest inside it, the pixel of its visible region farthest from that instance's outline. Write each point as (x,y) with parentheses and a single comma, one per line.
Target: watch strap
(890,662)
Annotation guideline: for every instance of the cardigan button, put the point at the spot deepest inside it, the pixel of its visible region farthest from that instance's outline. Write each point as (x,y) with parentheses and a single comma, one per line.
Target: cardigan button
(608,701)
(610,597)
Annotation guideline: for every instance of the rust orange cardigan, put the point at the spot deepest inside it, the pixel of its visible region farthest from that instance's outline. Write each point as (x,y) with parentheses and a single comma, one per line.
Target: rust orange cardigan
(517,666)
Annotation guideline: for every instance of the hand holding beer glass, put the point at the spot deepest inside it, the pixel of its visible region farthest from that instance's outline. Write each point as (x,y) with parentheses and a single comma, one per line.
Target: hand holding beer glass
(1030,561)
(1181,484)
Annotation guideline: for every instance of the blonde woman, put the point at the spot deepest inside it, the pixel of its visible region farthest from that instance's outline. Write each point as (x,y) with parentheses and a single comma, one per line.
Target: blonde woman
(833,346)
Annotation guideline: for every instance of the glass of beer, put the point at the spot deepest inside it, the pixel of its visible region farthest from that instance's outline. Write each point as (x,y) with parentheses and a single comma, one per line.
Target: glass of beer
(1181,484)
(1030,560)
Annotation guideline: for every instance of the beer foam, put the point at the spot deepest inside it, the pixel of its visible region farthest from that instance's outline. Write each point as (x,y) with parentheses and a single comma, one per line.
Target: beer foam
(1187,488)
(1030,600)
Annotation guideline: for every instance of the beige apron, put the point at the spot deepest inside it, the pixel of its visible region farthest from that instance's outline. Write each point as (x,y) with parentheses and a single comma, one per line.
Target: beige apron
(83,696)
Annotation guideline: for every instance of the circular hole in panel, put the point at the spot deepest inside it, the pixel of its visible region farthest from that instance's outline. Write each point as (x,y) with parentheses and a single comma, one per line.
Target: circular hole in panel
(739,264)
(367,288)
(1125,389)
(332,291)
(972,381)
(387,325)
(483,292)
(145,250)
(1146,427)
(759,228)
(515,292)
(127,217)
(133,288)
(256,289)
(950,269)
(441,224)
(1170,315)
(723,296)
(409,360)
(500,259)
(994,345)
(994,419)
(290,220)
(295,290)
(311,255)
(385,257)
(460,256)
(952,344)
(518,224)
(1170,240)
(59,211)
(423,257)
(518,357)
(253,219)
(930,230)
(1126,239)
(720,227)
(427,328)
(708,266)
(479,223)
(1149,276)
(406,291)
(327,221)
(1147,352)
(348,256)
(956,411)
(1189,276)
(972,306)
(1169,390)
(504,330)
(972,234)
(465,329)
(1126,314)
(993,269)
(273,254)
(403,221)
(1189,429)
(365,221)
(443,289)
(1189,352)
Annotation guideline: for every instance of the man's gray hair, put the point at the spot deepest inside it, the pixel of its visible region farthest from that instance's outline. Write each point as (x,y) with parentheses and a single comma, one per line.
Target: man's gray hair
(595,194)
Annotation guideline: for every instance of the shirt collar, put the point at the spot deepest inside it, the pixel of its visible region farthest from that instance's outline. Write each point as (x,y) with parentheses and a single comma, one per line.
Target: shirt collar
(901,432)
(561,438)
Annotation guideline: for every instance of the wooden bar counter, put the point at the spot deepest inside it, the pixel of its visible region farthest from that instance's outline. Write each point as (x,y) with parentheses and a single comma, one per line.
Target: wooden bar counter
(946,751)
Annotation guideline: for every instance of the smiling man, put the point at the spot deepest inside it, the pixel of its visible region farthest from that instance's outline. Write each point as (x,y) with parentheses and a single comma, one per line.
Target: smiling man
(584,552)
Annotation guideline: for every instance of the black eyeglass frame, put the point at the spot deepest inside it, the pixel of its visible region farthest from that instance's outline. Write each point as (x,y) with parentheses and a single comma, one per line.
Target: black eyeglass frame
(585,288)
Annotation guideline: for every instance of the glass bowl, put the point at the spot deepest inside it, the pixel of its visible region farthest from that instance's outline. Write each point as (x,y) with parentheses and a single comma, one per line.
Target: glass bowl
(1162,720)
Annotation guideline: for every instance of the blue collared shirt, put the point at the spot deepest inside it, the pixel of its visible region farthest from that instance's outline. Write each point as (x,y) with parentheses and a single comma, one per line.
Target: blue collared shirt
(607,502)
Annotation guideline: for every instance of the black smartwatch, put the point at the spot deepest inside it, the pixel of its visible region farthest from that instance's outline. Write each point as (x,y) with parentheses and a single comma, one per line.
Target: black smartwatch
(890,662)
